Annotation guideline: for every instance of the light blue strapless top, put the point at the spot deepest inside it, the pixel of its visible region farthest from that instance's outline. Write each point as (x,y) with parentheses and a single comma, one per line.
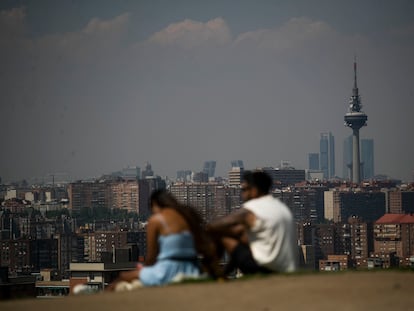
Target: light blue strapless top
(178,246)
(177,256)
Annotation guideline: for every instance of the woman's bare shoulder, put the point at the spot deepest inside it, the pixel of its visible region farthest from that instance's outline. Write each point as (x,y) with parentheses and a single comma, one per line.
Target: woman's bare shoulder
(174,219)
(154,220)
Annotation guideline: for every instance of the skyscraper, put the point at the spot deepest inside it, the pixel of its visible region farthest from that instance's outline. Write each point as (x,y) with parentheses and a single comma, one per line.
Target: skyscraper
(355,118)
(327,155)
(237,163)
(367,158)
(209,168)
(313,161)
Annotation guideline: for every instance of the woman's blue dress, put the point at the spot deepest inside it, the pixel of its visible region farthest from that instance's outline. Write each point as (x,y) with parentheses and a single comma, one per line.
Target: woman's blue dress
(177,256)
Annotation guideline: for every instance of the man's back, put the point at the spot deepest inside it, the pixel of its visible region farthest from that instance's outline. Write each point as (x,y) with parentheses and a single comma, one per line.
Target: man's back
(273,236)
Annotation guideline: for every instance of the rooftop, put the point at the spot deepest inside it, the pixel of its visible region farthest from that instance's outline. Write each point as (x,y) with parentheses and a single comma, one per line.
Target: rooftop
(396,219)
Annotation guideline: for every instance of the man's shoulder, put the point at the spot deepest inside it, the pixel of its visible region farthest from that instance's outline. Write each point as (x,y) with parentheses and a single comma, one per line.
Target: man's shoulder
(266,205)
(265,200)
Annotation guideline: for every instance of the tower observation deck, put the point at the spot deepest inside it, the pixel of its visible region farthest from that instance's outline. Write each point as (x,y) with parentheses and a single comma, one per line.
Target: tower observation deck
(355,118)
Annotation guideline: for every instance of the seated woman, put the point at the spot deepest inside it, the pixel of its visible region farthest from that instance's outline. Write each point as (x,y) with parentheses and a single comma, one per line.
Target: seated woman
(174,239)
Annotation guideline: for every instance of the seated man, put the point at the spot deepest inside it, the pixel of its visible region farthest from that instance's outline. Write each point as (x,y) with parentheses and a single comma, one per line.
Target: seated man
(261,236)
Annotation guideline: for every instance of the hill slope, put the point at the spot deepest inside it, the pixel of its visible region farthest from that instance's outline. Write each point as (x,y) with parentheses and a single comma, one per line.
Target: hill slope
(384,290)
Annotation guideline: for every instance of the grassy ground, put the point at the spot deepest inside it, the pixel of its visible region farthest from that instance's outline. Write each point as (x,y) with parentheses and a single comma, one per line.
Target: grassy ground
(352,290)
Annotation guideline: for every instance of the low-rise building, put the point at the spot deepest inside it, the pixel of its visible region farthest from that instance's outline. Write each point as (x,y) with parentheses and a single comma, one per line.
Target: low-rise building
(335,263)
(394,233)
(96,275)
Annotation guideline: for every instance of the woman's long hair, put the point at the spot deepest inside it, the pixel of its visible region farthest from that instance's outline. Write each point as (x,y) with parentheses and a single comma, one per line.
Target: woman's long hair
(204,245)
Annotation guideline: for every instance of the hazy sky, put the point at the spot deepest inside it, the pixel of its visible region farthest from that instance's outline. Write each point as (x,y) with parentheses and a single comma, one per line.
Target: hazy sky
(90,87)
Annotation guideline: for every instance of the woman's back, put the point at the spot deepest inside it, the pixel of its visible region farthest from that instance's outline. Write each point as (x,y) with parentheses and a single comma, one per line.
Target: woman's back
(175,240)
(170,222)
(171,241)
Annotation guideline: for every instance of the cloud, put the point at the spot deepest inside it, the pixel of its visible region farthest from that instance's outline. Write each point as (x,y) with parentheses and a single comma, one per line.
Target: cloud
(99,38)
(190,34)
(12,23)
(115,26)
(297,34)
(12,33)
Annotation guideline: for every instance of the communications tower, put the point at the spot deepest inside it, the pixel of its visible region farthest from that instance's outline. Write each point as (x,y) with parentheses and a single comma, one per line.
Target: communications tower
(355,118)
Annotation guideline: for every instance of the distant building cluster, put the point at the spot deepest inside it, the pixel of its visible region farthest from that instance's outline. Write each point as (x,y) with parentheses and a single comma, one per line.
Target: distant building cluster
(66,228)
(321,165)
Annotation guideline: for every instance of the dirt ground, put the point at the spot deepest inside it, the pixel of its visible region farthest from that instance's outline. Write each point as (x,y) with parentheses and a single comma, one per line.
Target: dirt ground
(380,290)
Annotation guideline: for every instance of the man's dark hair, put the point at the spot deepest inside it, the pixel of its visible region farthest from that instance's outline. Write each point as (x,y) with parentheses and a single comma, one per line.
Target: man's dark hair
(258,179)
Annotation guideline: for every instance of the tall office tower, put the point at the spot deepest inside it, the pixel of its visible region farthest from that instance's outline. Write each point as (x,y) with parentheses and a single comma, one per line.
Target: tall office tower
(237,163)
(209,168)
(313,161)
(355,118)
(367,158)
(327,155)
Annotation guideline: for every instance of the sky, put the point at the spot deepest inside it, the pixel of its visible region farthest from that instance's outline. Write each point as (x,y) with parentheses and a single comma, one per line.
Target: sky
(91,87)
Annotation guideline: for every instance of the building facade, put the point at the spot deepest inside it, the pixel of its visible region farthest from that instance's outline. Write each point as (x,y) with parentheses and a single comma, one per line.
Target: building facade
(124,195)
(367,205)
(394,234)
(235,176)
(401,202)
(211,200)
(283,177)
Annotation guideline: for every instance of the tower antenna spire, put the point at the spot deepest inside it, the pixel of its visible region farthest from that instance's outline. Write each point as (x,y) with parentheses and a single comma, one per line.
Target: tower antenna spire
(355,119)
(355,90)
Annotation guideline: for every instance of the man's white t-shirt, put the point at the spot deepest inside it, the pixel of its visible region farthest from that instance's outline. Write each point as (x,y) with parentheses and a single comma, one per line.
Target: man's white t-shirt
(273,237)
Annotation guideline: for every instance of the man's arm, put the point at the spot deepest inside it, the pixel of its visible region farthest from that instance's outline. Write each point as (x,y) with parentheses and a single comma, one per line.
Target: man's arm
(233,224)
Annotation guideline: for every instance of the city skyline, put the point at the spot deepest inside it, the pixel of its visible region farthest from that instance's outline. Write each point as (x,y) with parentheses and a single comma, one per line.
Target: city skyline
(89,88)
